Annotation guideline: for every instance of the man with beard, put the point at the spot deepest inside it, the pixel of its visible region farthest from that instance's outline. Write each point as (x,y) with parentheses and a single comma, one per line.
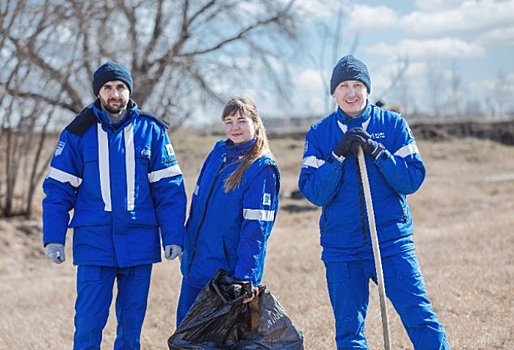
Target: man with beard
(115,167)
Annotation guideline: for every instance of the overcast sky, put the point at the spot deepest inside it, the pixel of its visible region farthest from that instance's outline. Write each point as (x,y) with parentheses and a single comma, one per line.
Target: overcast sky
(471,41)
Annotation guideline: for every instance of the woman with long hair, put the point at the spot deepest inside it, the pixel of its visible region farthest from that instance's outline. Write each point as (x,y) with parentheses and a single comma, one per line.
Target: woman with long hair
(233,207)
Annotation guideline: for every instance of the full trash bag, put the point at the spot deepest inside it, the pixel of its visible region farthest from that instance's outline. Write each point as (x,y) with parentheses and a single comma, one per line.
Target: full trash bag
(218,320)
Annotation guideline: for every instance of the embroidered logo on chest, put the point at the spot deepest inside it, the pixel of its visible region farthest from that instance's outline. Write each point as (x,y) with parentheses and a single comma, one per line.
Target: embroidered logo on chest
(378,135)
(146,152)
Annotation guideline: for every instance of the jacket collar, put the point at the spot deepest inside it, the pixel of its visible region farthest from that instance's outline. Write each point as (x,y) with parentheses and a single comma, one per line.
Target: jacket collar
(104,120)
(235,152)
(344,119)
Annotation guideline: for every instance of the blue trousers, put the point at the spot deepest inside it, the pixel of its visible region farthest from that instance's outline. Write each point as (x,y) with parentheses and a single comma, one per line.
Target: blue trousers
(348,288)
(187,298)
(94,296)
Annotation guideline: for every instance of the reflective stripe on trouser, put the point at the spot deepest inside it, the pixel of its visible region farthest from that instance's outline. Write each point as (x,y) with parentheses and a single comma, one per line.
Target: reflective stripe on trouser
(94,296)
(348,287)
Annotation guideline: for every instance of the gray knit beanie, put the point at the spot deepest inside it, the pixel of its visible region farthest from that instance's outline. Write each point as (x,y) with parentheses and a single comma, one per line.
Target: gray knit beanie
(349,68)
(110,71)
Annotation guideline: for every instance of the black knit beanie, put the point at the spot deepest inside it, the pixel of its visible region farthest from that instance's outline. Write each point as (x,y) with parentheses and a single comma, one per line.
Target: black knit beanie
(349,68)
(110,71)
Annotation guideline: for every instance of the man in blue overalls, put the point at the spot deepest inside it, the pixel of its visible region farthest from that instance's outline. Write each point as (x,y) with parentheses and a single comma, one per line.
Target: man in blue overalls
(330,178)
(115,167)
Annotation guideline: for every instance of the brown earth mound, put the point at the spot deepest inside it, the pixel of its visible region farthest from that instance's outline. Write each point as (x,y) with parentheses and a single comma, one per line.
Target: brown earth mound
(499,131)
(441,130)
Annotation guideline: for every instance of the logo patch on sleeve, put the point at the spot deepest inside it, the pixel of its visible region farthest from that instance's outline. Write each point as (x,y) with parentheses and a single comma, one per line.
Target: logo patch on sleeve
(59,148)
(411,135)
(169,149)
(266,199)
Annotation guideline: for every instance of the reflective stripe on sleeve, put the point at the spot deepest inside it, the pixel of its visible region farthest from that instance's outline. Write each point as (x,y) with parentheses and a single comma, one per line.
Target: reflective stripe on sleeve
(256,214)
(407,150)
(155,176)
(62,176)
(312,162)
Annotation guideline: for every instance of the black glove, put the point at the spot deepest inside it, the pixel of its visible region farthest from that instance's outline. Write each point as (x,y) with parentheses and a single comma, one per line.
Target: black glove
(351,137)
(372,147)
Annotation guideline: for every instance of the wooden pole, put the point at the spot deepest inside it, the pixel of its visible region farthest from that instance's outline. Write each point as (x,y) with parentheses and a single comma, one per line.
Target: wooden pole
(376,247)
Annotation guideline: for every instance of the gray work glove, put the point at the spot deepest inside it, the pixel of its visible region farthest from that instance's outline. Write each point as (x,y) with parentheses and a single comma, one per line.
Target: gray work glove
(171,251)
(350,138)
(55,252)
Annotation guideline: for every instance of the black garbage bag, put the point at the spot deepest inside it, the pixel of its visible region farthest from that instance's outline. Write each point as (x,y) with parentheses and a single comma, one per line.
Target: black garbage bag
(271,327)
(218,320)
(217,317)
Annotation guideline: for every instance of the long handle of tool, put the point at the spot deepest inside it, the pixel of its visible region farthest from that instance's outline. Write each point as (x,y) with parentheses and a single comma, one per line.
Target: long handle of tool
(376,248)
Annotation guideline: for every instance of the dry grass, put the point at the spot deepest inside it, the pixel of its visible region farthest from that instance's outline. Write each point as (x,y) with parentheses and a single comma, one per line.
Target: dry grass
(463,220)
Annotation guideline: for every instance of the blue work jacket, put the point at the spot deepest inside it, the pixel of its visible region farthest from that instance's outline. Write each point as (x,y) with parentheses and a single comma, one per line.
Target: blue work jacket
(230,230)
(335,186)
(123,184)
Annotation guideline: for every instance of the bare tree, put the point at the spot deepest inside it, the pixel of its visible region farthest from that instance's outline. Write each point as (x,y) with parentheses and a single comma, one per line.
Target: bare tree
(329,35)
(404,95)
(473,109)
(175,50)
(455,82)
(23,143)
(501,93)
(436,84)
(182,54)
(398,79)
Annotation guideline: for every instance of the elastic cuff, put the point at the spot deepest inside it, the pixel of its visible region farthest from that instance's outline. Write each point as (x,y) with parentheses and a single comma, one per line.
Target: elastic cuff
(378,151)
(339,159)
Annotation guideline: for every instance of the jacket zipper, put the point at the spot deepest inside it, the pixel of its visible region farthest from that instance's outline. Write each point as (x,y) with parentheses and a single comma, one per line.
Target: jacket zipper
(205,212)
(362,205)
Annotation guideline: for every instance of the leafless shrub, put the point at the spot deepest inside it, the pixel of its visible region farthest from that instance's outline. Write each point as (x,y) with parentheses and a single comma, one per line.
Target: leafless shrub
(182,55)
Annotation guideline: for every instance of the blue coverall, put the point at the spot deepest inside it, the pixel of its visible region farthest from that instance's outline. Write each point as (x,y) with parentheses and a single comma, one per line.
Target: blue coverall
(127,194)
(335,185)
(228,230)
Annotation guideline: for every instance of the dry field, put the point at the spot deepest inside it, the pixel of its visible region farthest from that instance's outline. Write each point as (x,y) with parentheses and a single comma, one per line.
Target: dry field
(463,216)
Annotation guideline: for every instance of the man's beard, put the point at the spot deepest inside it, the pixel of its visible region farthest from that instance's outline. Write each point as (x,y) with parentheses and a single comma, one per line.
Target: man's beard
(113,109)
